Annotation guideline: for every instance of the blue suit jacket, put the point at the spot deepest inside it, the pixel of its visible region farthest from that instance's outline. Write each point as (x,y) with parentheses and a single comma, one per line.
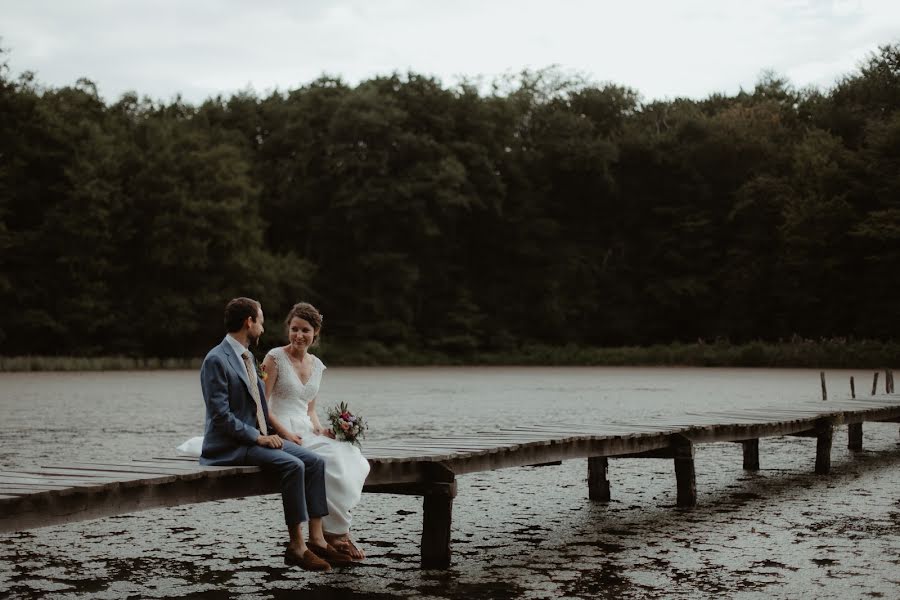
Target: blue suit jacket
(230,410)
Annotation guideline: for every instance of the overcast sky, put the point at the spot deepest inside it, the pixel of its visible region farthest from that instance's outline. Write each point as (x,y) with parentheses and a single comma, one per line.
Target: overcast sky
(662,48)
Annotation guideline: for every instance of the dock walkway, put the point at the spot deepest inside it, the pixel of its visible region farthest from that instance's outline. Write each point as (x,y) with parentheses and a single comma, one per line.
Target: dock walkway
(74,491)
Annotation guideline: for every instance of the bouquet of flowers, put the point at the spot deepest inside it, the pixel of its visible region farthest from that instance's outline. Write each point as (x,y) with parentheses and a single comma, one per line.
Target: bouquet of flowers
(347,427)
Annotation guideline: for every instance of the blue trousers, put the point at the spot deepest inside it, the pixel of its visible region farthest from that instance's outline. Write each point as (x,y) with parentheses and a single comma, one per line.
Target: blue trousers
(302,479)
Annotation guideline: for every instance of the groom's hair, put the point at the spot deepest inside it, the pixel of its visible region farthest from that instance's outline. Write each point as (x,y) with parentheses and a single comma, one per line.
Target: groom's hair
(237,311)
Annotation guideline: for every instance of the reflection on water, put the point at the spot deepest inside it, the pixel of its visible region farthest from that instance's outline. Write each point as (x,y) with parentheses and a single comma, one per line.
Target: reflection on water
(528,532)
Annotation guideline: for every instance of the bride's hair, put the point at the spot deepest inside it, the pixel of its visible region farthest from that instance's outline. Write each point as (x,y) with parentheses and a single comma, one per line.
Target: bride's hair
(307,312)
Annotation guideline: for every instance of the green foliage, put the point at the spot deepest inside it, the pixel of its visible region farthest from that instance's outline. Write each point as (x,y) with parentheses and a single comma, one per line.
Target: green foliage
(544,219)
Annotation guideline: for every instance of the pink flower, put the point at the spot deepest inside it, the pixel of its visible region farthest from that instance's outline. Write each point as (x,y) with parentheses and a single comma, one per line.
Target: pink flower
(345,425)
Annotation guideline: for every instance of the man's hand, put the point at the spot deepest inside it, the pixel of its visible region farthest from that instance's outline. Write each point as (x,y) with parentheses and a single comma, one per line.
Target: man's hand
(269,441)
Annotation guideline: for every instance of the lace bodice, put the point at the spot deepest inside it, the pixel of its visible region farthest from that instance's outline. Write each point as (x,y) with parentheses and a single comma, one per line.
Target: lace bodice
(290,398)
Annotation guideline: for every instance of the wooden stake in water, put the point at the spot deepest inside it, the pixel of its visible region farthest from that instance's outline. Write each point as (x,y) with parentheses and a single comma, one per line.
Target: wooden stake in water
(852,388)
(887,381)
(875,383)
(824,391)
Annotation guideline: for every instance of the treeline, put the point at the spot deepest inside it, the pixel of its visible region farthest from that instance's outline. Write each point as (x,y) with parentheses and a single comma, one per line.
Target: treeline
(435,219)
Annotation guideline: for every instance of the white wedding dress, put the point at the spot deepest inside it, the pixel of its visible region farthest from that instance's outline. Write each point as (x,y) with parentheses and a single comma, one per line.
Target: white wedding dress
(345,466)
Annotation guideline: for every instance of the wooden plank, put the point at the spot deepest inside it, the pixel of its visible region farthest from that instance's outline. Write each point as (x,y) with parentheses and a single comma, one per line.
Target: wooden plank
(33,487)
(70,473)
(40,510)
(172,464)
(137,469)
(57,481)
(114,469)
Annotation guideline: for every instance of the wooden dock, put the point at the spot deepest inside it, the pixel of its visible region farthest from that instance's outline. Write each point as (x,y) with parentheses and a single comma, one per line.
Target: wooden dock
(73,491)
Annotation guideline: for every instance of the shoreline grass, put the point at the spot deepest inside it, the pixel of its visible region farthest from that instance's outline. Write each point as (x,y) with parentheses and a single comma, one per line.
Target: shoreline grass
(827,353)
(94,363)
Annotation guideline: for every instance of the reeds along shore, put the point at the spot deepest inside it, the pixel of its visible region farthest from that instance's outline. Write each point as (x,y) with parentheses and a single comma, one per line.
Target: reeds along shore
(829,353)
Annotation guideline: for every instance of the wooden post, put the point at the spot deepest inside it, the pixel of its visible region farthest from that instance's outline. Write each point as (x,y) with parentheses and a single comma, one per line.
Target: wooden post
(824,391)
(598,482)
(437,518)
(751,454)
(852,388)
(875,383)
(685,477)
(891,379)
(887,381)
(854,436)
(824,432)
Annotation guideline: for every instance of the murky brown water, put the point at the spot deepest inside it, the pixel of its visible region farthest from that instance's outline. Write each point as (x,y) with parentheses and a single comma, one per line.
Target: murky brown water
(518,533)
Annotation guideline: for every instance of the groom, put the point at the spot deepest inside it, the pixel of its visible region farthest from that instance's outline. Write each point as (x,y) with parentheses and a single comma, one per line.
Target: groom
(238,432)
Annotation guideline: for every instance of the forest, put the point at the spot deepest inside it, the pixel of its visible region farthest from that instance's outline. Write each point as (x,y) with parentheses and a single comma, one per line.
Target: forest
(435,220)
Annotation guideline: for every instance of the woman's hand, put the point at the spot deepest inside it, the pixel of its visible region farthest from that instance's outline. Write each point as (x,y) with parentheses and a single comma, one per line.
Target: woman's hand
(324,431)
(290,436)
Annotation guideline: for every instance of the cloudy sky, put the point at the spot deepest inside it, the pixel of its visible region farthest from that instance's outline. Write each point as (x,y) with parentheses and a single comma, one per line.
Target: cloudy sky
(662,48)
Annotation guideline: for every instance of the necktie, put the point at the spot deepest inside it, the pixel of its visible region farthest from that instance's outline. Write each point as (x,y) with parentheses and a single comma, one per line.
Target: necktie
(254,391)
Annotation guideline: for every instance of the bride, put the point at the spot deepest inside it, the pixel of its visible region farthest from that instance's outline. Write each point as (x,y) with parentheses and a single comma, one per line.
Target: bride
(292,377)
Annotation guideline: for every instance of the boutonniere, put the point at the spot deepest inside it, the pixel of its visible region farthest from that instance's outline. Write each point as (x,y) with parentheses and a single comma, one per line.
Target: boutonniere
(261,372)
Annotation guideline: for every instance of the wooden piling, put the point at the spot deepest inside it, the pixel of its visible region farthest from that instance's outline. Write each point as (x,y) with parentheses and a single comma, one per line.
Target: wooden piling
(437,518)
(855,436)
(875,383)
(598,481)
(824,432)
(685,476)
(824,391)
(852,388)
(751,454)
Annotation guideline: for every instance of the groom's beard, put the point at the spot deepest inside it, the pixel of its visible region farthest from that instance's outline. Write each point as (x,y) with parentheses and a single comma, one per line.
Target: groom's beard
(253,340)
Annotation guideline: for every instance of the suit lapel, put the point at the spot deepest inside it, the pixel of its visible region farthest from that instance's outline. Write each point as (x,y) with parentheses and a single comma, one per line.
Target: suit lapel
(237,363)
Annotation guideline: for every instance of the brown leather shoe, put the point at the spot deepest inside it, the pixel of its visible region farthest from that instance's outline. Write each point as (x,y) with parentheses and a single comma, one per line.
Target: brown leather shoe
(329,553)
(308,560)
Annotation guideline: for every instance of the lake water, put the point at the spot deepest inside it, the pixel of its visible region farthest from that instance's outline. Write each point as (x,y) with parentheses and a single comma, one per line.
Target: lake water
(517,533)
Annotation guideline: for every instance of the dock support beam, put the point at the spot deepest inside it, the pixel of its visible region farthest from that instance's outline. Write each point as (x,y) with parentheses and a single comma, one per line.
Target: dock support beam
(437,517)
(685,478)
(824,432)
(855,436)
(598,481)
(751,454)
